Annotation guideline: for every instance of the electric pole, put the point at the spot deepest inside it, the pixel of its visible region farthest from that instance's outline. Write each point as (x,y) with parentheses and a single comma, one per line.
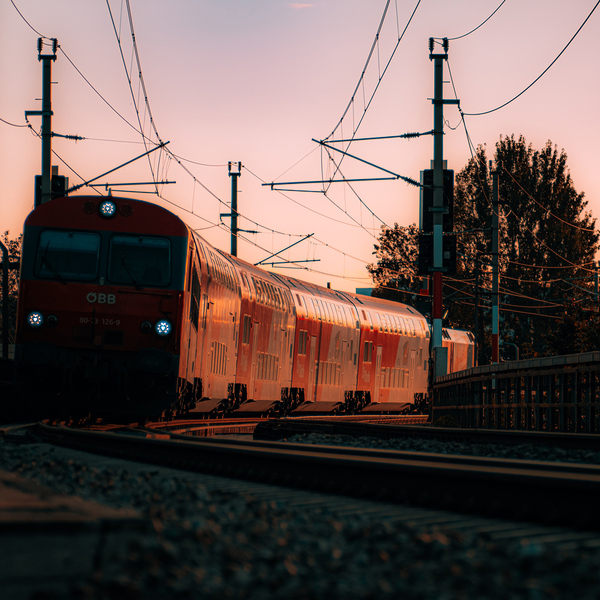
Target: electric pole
(495,270)
(438,209)
(46,114)
(234,173)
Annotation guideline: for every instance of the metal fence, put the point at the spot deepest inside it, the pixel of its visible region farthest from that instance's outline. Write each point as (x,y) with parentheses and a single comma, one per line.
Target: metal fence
(559,393)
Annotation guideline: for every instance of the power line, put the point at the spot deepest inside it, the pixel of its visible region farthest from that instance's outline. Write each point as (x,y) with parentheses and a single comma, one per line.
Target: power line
(13,124)
(312,210)
(99,94)
(459,37)
(543,207)
(28,23)
(362,75)
(487,112)
(133,98)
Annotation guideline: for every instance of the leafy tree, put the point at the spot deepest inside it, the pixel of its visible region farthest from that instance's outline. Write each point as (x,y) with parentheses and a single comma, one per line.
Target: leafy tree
(547,245)
(14,254)
(395,272)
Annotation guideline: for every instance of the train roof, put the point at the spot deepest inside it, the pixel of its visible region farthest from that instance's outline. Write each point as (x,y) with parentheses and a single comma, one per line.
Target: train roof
(84,212)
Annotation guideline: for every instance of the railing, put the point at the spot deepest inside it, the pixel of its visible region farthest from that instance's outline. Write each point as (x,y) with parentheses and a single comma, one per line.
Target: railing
(559,393)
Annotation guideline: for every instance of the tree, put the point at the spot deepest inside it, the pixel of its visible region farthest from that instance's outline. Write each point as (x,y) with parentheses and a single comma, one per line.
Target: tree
(547,245)
(395,272)
(14,254)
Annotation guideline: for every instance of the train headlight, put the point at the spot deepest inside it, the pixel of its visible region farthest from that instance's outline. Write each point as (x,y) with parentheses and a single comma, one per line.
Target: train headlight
(35,319)
(146,327)
(107,209)
(163,328)
(52,321)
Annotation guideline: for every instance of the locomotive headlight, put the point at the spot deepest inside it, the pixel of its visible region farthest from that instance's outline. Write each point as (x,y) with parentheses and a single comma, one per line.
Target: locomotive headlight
(107,209)
(35,319)
(52,321)
(163,328)
(146,327)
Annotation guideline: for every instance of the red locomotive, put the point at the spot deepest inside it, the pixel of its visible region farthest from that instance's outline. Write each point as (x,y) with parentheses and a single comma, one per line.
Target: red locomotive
(124,310)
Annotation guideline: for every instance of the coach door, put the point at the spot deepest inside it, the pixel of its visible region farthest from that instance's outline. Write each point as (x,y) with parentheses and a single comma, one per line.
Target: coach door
(412,368)
(377,389)
(313,371)
(254,355)
(195,293)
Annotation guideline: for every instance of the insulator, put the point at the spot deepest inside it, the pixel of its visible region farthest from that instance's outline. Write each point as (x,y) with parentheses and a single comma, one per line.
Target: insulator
(54,45)
(39,45)
(446,45)
(430,45)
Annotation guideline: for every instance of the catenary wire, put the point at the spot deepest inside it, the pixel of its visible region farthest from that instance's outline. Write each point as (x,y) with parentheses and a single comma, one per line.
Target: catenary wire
(487,112)
(464,35)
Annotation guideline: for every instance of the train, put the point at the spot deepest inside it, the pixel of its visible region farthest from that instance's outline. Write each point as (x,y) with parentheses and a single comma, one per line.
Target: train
(124,310)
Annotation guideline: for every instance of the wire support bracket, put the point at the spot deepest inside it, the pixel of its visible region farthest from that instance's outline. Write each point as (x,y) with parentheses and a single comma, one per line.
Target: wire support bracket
(89,181)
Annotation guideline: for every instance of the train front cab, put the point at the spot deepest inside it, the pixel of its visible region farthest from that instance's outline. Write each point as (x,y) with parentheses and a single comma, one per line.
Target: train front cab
(99,303)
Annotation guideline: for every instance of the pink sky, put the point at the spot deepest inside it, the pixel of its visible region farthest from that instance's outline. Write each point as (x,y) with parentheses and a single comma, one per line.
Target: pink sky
(254,81)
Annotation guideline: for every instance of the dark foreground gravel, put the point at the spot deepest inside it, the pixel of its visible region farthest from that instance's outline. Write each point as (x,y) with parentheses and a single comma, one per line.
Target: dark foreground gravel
(215,544)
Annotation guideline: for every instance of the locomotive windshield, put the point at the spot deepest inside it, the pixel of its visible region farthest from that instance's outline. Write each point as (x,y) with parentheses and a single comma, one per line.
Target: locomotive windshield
(67,255)
(139,260)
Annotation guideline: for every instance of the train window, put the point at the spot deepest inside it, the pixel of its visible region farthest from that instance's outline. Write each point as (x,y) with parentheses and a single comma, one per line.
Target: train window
(195,300)
(246,330)
(302,341)
(204,310)
(247,284)
(385,323)
(327,311)
(317,309)
(68,255)
(368,352)
(276,302)
(139,260)
(259,291)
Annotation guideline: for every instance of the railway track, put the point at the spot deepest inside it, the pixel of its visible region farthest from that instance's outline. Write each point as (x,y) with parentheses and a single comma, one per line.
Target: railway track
(515,489)
(224,528)
(427,519)
(216,427)
(277,429)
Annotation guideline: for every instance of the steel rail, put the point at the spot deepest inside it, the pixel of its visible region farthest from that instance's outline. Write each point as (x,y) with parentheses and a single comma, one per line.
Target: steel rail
(275,429)
(549,492)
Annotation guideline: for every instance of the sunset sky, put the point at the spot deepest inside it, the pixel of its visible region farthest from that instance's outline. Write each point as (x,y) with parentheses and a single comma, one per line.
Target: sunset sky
(255,80)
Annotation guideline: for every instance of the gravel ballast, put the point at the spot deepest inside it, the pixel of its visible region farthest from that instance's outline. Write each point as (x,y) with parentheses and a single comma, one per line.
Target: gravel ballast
(212,543)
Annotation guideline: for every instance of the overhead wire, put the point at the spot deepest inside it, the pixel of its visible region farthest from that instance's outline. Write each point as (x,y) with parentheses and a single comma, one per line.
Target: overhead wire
(366,105)
(487,112)
(145,138)
(13,124)
(130,83)
(27,22)
(572,225)
(464,35)
(473,156)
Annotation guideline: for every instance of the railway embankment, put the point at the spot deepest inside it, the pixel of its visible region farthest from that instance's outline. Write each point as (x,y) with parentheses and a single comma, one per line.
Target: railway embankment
(222,537)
